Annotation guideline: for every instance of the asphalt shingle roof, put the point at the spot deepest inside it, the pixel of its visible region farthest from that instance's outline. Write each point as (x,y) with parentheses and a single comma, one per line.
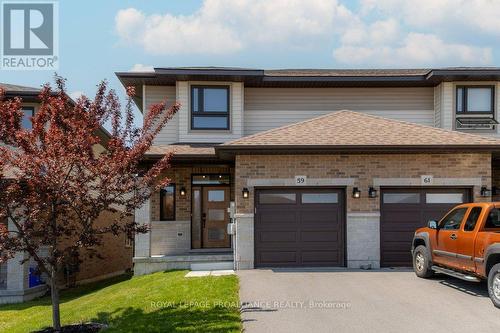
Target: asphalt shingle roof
(354,129)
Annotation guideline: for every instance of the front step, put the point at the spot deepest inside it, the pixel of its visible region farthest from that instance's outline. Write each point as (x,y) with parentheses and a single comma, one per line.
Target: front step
(455,274)
(212,266)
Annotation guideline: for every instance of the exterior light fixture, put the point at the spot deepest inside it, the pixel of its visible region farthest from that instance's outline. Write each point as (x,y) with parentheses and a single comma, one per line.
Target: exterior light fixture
(372,192)
(182,191)
(245,193)
(356,193)
(485,192)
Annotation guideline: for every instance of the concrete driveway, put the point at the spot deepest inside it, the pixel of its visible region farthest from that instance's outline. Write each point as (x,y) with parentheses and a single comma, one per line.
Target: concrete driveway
(282,300)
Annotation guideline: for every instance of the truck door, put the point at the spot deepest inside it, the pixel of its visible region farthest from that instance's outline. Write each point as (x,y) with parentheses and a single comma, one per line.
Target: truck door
(445,251)
(466,238)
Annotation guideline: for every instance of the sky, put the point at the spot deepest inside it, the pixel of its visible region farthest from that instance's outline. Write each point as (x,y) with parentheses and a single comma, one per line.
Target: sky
(98,38)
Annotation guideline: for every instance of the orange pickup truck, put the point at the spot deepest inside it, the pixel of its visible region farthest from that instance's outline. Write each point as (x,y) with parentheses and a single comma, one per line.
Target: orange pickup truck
(465,244)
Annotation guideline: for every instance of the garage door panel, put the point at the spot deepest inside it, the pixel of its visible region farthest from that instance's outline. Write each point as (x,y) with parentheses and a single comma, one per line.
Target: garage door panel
(274,257)
(398,222)
(302,234)
(281,217)
(320,257)
(319,236)
(277,236)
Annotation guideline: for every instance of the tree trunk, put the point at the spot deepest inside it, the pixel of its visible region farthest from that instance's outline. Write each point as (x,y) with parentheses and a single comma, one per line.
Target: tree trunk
(54,292)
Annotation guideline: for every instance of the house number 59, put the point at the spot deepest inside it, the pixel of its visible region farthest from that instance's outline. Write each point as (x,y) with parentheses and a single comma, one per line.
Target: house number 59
(300,180)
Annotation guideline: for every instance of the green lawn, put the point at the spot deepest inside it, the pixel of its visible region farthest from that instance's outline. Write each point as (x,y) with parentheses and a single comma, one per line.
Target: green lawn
(160,302)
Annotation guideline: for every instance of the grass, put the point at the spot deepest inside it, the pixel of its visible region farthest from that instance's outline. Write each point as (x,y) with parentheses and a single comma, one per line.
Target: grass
(160,302)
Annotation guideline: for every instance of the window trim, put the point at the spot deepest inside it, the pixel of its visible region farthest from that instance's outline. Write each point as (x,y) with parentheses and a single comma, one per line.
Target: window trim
(175,203)
(464,100)
(209,114)
(28,108)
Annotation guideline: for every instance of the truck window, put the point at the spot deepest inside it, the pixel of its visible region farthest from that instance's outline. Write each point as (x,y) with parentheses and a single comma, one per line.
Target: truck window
(493,219)
(470,223)
(453,220)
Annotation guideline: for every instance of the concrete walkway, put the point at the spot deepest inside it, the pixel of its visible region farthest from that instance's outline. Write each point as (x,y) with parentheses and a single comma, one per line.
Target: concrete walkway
(362,301)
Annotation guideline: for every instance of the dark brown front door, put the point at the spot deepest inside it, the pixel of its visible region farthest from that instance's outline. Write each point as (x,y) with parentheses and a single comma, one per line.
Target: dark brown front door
(215,217)
(299,227)
(403,210)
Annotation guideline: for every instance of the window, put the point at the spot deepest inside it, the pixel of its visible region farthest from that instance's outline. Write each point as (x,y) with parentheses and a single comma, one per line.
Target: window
(319,198)
(493,220)
(211,179)
(453,220)
(396,198)
(210,107)
(470,223)
(167,203)
(473,99)
(440,198)
(277,198)
(28,113)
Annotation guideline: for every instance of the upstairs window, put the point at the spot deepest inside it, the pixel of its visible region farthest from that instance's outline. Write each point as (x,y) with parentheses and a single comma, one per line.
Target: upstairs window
(209,107)
(475,99)
(28,113)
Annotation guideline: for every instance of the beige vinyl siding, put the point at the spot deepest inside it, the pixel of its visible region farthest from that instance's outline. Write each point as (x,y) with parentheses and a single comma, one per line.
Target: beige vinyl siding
(212,136)
(437,106)
(447,105)
(267,108)
(158,94)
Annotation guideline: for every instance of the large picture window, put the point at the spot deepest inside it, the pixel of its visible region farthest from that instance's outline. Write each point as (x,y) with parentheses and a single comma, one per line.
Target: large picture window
(210,107)
(167,203)
(475,99)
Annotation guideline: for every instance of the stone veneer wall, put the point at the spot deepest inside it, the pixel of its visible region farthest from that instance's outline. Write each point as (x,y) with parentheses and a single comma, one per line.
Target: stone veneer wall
(362,171)
(174,237)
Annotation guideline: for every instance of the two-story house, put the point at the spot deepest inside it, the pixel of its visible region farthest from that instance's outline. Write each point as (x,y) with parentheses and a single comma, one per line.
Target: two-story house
(324,167)
(17,280)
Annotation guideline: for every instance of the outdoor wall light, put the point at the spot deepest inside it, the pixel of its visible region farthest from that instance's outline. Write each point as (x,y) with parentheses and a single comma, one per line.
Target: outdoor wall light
(182,192)
(372,192)
(356,193)
(485,192)
(245,193)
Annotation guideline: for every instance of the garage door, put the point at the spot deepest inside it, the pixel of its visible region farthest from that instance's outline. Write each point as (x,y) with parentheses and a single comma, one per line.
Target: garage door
(299,227)
(403,210)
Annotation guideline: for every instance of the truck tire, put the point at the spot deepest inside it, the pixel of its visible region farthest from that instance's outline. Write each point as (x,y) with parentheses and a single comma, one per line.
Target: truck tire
(494,285)
(422,262)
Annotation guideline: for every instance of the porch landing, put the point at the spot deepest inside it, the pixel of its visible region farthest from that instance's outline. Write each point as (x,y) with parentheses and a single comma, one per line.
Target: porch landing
(192,261)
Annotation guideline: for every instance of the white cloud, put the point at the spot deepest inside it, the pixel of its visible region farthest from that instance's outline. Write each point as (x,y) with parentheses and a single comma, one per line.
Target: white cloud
(416,49)
(226,26)
(403,33)
(76,94)
(481,15)
(142,68)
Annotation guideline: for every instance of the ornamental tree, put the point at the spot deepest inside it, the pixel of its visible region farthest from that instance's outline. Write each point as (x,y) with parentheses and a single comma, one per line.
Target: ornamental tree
(54,184)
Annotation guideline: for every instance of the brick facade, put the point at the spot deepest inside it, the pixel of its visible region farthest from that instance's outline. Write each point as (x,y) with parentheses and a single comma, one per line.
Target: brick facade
(362,168)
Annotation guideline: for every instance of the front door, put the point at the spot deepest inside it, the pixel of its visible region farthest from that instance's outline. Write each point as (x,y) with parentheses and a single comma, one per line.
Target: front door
(215,217)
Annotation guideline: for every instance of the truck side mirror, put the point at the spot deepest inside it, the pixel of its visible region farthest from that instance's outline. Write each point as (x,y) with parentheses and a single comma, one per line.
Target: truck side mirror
(432,224)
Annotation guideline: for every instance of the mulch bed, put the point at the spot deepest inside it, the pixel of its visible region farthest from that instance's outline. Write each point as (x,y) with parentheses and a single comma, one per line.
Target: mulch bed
(78,328)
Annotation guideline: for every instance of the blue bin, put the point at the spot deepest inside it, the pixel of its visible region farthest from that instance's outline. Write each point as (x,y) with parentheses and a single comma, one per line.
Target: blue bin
(34,278)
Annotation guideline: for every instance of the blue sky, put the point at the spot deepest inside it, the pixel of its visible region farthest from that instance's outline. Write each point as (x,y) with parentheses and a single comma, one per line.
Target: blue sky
(98,38)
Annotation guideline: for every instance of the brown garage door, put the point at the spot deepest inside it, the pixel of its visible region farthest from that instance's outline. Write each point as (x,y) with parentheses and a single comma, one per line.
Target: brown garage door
(403,210)
(299,227)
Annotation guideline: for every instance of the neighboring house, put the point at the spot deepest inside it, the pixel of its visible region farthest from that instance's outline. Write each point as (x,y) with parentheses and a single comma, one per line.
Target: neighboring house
(15,285)
(313,186)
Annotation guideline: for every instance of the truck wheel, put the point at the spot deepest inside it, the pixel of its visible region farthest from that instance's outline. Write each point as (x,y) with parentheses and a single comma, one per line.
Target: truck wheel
(422,262)
(494,285)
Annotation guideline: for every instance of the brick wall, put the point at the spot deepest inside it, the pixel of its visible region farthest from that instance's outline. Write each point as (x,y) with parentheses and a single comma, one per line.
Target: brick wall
(116,256)
(362,168)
